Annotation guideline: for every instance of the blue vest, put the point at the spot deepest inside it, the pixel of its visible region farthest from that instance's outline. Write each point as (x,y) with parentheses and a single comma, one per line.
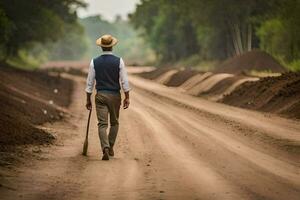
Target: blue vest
(107,68)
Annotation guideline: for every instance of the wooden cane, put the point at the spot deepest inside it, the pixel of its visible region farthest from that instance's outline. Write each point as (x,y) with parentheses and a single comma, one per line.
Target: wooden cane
(86,143)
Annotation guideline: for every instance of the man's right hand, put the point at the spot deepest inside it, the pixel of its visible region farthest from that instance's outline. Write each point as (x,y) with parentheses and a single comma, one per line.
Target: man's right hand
(126,103)
(88,105)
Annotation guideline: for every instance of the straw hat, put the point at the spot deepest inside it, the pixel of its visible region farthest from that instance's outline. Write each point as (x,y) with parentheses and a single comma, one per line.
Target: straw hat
(106,41)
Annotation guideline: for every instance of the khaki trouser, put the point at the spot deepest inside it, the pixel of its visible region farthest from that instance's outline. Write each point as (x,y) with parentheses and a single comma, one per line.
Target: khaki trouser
(107,104)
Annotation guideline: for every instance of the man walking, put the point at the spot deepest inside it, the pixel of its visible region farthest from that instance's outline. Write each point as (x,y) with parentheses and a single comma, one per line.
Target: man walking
(110,74)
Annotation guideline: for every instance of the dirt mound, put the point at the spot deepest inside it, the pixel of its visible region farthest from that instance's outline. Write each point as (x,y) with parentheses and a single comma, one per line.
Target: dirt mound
(165,77)
(271,94)
(180,77)
(28,99)
(253,60)
(225,87)
(154,73)
(239,82)
(139,69)
(222,87)
(207,84)
(194,80)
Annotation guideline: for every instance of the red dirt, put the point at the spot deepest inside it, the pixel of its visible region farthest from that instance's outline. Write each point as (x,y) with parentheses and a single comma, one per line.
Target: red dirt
(28,99)
(271,94)
(155,73)
(180,77)
(254,60)
(207,84)
(194,80)
(221,86)
(165,77)
(175,80)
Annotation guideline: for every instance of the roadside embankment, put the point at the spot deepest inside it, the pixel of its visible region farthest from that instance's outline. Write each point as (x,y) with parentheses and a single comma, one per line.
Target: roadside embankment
(278,94)
(29,99)
(270,94)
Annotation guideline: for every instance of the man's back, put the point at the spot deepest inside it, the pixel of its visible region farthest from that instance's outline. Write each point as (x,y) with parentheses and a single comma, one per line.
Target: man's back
(107,69)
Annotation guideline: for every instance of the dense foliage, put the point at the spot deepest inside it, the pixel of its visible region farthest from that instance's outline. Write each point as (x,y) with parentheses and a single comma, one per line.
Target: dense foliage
(217,29)
(24,24)
(131,47)
(174,29)
(34,31)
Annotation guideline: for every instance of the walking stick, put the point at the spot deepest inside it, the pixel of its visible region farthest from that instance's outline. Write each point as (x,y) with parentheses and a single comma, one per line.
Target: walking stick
(86,144)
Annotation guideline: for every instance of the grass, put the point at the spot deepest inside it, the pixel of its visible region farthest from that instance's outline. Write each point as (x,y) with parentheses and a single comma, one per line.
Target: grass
(20,64)
(265,73)
(24,61)
(294,66)
(206,65)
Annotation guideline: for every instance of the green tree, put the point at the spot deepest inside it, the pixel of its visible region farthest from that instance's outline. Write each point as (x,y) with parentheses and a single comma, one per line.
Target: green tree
(171,34)
(72,46)
(33,21)
(131,46)
(214,29)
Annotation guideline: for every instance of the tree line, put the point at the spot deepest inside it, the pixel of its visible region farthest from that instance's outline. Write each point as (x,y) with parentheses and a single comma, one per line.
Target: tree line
(34,31)
(34,26)
(218,29)
(131,46)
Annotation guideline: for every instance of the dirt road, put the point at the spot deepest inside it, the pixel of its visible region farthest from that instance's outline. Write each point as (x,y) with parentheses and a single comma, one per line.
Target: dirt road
(170,146)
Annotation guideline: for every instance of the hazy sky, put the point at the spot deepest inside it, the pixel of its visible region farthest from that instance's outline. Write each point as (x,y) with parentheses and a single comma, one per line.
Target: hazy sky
(108,8)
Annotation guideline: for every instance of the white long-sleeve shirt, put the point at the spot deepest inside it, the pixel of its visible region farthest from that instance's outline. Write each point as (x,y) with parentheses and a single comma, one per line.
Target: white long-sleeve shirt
(90,82)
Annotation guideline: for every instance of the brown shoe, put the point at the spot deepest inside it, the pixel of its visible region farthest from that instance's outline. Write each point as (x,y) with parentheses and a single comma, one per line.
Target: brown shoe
(105,154)
(111,151)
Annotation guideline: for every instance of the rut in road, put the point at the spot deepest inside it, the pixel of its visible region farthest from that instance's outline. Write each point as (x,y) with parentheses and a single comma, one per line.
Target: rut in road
(163,151)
